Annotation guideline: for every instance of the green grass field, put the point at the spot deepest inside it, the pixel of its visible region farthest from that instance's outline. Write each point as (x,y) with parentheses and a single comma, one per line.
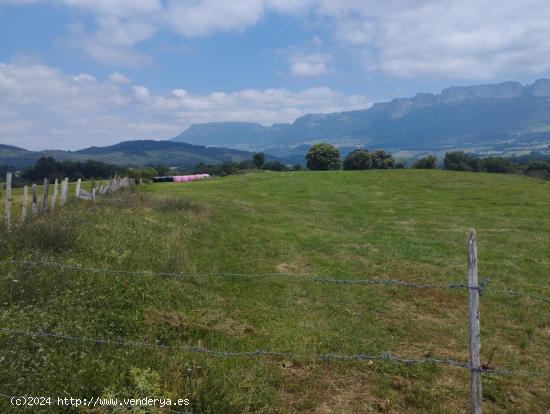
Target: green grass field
(404,224)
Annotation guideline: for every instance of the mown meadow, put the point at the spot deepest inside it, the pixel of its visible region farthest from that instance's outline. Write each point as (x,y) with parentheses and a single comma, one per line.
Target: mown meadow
(408,225)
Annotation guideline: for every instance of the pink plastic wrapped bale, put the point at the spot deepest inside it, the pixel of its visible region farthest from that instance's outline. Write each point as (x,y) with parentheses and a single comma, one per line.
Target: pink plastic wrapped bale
(184,179)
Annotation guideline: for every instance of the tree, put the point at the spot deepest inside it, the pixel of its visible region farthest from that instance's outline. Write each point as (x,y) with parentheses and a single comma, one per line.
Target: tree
(456,160)
(323,157)
(359,159)
(497,165)
(460,161)
(427,163)
(275,166)
(258,159)
(539,169)
(382,160)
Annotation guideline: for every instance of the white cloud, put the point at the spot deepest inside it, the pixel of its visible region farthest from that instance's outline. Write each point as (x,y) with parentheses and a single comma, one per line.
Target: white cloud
(99,47)
(41,107)
(313,64)
(464,39)
(117,77)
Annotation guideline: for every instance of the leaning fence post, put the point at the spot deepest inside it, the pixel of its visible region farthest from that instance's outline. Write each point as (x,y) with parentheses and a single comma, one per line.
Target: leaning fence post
(78,183)
(93,194)
(34,200)
(474,328)
(54,194)
(64,191)
(7,209)
(45,196)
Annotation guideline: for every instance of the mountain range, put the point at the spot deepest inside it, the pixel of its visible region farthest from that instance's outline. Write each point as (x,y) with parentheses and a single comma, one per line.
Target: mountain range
(130,153)
(502,118)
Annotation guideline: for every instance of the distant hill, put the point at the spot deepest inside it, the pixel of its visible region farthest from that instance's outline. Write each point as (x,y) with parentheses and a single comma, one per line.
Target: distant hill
(506,117)
(130,153)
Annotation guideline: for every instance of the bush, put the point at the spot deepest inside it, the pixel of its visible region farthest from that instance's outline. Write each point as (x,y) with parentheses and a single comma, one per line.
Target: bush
(323,157)
(359,159)
(382,160)
(427,163)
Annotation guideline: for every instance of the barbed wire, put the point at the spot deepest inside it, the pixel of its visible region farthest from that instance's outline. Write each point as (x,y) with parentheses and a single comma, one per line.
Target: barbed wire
(310,278)
(383,356)
(482,287)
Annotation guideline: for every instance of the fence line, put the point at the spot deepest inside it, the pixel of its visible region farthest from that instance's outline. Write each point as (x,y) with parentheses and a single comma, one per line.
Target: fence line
(382,356)
(49,202)
(482,287)
(311,278)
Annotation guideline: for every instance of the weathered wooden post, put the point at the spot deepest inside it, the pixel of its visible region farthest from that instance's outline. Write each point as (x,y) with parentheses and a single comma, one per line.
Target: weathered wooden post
(474,325)
(54,198)
(25,203)
(45,196)
(34,200)
(64,191)
(78,184)
(7,208)
(93,194)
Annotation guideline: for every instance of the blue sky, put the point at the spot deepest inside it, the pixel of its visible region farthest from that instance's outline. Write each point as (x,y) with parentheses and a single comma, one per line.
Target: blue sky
(75,73)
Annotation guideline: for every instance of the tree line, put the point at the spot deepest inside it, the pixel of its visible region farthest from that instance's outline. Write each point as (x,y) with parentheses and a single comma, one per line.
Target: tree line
(320,157)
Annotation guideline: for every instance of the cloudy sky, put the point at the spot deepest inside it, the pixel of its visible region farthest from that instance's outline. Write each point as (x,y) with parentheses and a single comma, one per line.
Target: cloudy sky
(75,73)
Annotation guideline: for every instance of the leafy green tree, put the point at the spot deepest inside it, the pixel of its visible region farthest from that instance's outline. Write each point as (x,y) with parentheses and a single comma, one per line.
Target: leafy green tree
(498,165)
(426,163)
(323,157)
(275,166)
(456,160)
(359,159)
(382,160)
(258,159)
(539,169)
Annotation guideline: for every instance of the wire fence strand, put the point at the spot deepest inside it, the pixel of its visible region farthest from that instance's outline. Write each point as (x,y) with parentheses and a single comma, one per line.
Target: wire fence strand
(483,285)
(383,356)
(303,277)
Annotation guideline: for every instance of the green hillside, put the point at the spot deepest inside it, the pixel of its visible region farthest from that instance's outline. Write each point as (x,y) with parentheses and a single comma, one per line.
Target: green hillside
(408,225)
(130,153)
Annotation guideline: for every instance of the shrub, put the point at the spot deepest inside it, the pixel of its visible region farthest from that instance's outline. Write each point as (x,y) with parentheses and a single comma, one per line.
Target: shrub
(427,163)
(323,157)
(359,159)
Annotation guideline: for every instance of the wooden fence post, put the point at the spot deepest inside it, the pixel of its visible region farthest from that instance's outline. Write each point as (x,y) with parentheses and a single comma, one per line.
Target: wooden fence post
(64,191)
(474,326)
(54,198)
(7,208)
(45,196)
(34,200)
(93,194)
(25,203)
(78,184)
